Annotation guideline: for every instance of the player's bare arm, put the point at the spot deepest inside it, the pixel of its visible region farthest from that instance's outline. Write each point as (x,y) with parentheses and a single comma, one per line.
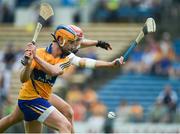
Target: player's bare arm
(26,70)
(91,63)
(25,73)
(98,63)
(53,70)
(90,43)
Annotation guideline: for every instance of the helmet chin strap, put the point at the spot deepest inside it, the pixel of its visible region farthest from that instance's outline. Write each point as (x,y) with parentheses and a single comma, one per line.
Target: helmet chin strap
(64,41)
(64,52)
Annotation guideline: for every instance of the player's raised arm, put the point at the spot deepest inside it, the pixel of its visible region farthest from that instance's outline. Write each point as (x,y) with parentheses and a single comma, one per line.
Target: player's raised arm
(53,70)
(91,63)
(26,70)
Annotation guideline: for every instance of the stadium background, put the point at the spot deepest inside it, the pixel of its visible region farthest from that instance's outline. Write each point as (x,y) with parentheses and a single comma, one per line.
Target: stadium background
(134,91)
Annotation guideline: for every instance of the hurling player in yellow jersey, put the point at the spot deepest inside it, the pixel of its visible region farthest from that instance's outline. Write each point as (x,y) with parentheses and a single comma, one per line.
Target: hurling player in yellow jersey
(46,73)
(62,106)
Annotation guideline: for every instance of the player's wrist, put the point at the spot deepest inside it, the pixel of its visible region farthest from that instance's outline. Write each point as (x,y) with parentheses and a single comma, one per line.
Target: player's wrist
(99,43)
(29,62)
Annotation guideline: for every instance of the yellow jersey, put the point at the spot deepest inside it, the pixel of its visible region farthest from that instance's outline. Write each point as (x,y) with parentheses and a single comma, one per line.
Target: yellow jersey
(40,83)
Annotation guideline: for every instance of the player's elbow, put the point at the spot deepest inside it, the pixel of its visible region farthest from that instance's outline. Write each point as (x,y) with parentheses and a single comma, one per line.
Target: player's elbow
(23,80)
(82,63)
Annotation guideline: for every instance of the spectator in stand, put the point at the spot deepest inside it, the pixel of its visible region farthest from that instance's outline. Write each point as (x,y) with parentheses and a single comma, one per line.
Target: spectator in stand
(151,54)
(174,71)
(166,46)
(123,112)
(147,59)
(163,65)
(7,12)
(74,94)
(158,113)
(8,59)
(96,122)
(9,56)
(89,96)
(100,13)
(142,61)
(106,11)
(169,98)
(133,65)
(75,99)
(112,6)
(136,114)
(80,111)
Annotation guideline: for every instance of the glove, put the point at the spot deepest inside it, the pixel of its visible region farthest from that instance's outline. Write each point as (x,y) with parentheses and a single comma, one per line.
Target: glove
(103,45)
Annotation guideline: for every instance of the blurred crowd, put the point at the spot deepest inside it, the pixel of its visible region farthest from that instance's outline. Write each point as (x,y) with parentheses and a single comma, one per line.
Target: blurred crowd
(155,58)
(102,11)
(164,109)
(87,108)
(126,10)
(9,59)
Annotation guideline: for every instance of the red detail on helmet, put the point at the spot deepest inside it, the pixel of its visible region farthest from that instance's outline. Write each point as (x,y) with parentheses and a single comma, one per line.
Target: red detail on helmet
(78,31)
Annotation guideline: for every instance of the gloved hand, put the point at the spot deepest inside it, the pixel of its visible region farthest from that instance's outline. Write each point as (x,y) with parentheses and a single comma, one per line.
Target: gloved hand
(104,45)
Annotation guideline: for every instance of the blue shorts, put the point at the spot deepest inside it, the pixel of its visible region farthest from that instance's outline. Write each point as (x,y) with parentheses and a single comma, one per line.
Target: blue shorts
(36,109)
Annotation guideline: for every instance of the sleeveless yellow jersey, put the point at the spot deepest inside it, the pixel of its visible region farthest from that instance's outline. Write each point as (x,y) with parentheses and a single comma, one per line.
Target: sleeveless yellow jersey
(40,84)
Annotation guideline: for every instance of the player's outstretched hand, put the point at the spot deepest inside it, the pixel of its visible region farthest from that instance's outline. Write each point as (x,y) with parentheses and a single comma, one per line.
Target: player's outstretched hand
(119,61)
(104,45)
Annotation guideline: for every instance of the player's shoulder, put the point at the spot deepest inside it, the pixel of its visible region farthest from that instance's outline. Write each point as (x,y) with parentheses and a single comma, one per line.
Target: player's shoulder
(63,60)
(40,50)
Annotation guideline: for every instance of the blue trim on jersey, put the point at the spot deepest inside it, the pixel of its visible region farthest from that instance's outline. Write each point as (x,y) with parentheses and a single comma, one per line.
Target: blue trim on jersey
(32,109)
(49,49)
(41,76)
